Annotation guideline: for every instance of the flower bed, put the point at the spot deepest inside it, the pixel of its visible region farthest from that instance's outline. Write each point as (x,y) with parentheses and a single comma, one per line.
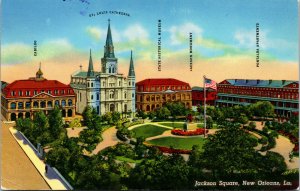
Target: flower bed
(171,150)
(292,138)
(199,131)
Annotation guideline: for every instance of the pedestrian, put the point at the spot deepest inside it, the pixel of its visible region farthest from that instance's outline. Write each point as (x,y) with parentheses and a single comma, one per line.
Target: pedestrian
(46,169)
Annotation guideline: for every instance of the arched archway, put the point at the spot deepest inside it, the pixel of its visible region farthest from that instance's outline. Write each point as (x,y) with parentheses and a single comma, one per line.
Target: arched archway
(70,113)
(152,107)
(63,113)
(20,115)
(148,108)
(27,115)
(112,108)
(13,117)
(63,103)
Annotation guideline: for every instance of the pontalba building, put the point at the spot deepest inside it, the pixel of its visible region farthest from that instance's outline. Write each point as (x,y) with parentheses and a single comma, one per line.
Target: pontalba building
(283,94)
(154,93)
(22,98)
(106,90)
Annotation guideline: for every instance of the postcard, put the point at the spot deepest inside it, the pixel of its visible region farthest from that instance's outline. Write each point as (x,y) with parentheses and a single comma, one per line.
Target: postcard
(149,95)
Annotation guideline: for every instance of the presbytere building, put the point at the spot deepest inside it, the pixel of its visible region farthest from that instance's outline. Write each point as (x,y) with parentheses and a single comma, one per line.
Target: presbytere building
(22,98)
(198,96)
(154,93)
(283,94)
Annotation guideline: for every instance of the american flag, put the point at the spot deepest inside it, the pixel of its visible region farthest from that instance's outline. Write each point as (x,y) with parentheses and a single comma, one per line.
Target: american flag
(210,84)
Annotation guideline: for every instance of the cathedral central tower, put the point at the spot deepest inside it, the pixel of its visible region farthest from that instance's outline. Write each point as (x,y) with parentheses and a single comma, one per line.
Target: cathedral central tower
(109,62)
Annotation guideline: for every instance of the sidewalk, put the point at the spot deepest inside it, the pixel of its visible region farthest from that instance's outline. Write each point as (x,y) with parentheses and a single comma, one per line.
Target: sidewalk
(51,177)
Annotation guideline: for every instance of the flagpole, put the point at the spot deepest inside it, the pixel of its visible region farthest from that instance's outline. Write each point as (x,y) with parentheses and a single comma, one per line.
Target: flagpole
(204,106)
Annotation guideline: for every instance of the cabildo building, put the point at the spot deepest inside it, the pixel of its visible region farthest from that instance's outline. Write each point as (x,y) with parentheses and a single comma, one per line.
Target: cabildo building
(22,98)
(283,94)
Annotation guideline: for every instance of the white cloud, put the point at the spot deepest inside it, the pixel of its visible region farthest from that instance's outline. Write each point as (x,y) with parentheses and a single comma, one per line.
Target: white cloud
(180,33)
(95,32)
(136,32)
(247,38)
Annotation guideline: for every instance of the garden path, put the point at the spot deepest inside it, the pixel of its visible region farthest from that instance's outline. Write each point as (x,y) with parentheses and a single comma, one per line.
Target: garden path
(109,139)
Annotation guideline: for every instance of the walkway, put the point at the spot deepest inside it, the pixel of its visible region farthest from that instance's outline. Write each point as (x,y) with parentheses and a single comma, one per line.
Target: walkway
(109,139)
(17,171)
(51,177)
(284,147)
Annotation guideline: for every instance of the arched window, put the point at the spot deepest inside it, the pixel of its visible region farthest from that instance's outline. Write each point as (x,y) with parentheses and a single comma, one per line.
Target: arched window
(57,102)
(63,103)
(111,94)
(92,84)
(109,70)
(27,105)
(70,102)
(125,95)
(98,98)
(92,97)
(49,104)
(13,105)
(125,108)
(113,70)
(43,104)
(35,104)
(20,105)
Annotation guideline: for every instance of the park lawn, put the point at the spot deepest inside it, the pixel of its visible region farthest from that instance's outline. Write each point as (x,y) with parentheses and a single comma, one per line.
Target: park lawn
(122,158)
(201,125)
(148,131)
(174,125)
(178,143)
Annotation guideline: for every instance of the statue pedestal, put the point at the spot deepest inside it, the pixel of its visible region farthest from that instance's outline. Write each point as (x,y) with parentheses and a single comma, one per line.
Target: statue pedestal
(191,126)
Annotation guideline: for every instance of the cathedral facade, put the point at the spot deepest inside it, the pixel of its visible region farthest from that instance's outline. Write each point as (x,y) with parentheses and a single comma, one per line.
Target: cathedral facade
(105,90)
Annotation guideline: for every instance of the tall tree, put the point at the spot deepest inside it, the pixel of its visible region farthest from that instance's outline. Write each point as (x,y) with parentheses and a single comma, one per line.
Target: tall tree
(55,122)
(87,116)
(229,150)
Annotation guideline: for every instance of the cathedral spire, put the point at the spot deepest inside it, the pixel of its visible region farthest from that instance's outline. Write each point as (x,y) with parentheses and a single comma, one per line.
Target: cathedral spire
(91,67)
(131,67)
(109,47)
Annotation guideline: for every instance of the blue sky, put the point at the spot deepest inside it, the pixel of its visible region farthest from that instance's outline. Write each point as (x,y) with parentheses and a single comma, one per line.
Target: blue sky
(220,28)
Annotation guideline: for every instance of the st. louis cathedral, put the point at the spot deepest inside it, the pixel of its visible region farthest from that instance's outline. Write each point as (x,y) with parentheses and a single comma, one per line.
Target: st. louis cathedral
(107,90)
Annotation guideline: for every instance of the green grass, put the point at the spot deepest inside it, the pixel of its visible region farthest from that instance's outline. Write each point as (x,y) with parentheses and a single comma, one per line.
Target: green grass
(201,125)
(148,131)
(178,143)
(180,125)
(122,158)
(174,125)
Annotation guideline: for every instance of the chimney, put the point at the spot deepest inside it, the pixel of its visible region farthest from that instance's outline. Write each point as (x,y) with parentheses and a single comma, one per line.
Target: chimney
(283,81)
(247,81)
(258,81)
(270,81)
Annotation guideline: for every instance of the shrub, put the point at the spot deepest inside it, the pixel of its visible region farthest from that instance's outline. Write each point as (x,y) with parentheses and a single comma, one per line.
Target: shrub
(263,140)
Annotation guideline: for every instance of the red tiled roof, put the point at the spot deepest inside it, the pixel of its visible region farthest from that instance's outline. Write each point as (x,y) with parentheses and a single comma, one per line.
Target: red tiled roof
(33,84)
(161,81)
